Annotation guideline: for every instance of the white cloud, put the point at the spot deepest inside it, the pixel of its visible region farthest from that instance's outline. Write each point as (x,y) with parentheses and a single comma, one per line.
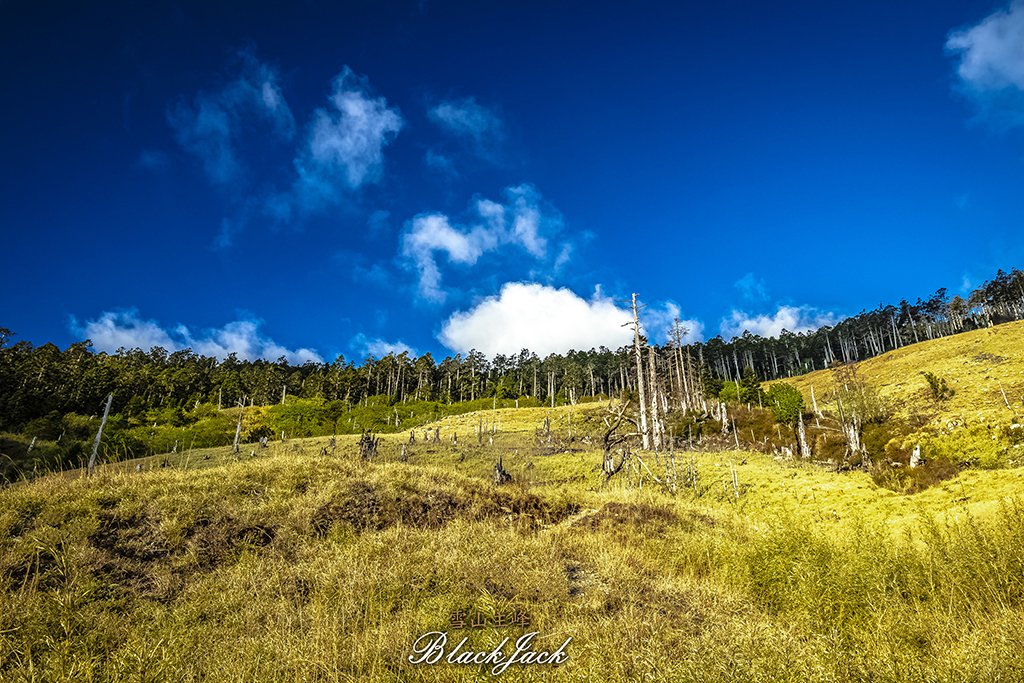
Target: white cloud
(378,348)
(991,68)
(469,120)
(345,145)
(210,126)
(792,318)
(537,317)
(125,329)
(519,221)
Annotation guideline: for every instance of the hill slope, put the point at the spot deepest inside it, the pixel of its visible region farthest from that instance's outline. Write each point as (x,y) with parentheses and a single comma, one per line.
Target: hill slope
(980,366)
(304,562)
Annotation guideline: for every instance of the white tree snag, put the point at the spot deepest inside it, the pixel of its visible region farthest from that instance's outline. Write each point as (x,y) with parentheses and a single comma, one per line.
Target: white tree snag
(238,427)
(805,449)
(99,434)
(653,391)
(644,434)
(915,457)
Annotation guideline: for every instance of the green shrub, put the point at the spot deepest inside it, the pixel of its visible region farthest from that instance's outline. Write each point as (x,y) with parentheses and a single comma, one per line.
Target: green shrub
(940,390)
(786,402)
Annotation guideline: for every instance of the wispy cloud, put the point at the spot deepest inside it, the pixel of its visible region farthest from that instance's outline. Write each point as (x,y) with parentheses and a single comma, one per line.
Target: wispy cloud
(340,151)
(152,160)
(751,288)
(210,125)
(344,149)
(991,66)
(791,318)
(467,120)
(440,162)
(520,220)
(114,330)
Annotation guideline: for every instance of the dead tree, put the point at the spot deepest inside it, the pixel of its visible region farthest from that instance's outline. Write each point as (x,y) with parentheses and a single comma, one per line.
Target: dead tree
(805,449)
(99,434)
(851,425)
(412,436)
(612,438)
(368,445)
(500,475)
(644,434)
(238,427)
(656,424)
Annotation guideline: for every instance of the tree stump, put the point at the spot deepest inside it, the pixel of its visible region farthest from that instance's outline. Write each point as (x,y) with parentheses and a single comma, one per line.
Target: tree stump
(368,446)
(500,475)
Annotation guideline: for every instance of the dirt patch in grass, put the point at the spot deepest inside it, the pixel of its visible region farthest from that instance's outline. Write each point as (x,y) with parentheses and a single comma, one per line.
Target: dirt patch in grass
(616,515)
(219,538)
(133,537)
(374,507)
(368,507)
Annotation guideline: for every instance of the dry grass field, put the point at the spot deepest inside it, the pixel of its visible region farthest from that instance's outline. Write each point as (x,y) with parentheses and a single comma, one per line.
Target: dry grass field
(289,564)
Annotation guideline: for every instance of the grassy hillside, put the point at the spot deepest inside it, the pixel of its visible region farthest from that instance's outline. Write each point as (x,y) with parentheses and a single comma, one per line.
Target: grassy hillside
(980,366)
(289,565)
(303,562)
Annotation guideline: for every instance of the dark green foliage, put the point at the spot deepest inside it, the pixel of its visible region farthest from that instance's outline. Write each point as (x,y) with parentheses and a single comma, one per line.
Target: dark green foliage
(750,388)
(786,402)
(940,390)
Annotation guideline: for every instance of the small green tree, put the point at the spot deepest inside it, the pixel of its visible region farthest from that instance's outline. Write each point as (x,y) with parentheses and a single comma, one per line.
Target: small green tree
(750,387)
(938,386)
(786,402)
(728,392)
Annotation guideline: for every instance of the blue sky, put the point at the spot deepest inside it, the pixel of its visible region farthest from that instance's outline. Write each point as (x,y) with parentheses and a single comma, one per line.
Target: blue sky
(325,178)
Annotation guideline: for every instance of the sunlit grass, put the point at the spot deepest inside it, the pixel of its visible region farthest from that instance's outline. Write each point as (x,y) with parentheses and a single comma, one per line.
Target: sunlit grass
(289,565)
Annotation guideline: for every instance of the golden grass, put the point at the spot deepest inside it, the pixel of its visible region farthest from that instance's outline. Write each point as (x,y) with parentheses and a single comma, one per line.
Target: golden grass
(291,566)
(284,564)
(979,365)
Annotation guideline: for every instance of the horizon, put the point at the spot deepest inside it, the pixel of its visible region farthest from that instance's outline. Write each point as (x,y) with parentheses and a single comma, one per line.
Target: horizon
(220,353)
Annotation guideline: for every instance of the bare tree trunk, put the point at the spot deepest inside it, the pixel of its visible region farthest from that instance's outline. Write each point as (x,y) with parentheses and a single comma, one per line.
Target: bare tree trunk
(805,450)
(238,427)
(817,413)
(655,420)
(99,434)
(644,434)
(915,457)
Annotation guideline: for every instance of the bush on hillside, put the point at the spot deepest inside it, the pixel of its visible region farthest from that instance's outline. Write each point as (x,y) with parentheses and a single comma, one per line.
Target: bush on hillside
(786,402)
